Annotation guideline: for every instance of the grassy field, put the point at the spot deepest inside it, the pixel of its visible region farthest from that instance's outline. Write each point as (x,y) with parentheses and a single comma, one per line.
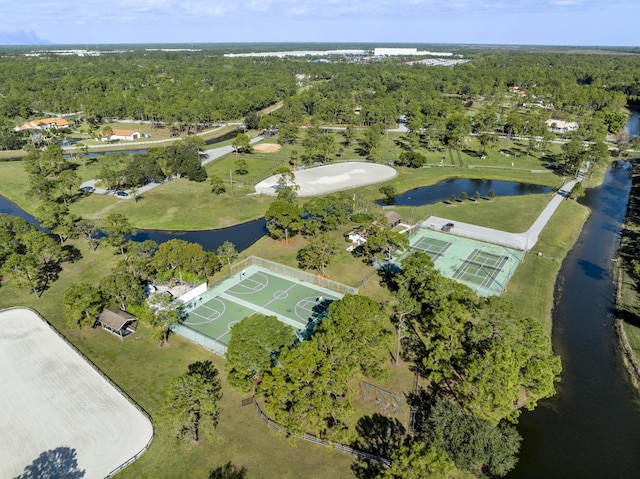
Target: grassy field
(531,290)
(143,369)
(181,204)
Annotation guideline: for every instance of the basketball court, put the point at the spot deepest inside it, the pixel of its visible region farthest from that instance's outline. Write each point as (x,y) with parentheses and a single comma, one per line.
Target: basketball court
(257,290)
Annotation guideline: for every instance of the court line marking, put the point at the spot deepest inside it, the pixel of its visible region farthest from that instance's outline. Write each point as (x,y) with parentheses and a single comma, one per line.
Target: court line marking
(250,290)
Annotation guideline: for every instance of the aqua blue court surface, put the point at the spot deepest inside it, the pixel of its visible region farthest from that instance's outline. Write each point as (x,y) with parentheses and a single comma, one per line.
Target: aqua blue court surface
(484,267)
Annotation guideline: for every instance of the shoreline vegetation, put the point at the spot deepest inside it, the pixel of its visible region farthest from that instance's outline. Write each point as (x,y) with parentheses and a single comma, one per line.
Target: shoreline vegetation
(627,292)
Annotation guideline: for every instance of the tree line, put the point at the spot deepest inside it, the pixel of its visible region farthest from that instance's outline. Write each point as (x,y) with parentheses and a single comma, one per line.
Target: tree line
(479,361)
(196,90)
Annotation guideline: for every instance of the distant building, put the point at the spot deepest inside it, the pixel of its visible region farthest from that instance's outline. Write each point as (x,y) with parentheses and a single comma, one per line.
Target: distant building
(560,126)
(390,52)
(43,124)
(128,135)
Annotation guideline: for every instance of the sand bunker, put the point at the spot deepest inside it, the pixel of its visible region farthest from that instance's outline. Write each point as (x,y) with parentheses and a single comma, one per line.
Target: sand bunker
(330,178)
(266,147)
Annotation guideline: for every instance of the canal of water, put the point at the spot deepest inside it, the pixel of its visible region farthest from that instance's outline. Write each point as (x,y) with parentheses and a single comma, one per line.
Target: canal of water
(591,428)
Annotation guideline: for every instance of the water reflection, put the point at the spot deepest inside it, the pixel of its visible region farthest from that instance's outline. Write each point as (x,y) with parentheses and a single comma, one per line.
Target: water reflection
(591,428)
(242,235)
(442,191)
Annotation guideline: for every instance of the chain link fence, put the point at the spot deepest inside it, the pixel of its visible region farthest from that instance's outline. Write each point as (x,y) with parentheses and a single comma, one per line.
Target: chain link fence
(292,273)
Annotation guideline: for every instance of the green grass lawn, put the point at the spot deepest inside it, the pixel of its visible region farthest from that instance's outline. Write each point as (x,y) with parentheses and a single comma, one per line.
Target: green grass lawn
(178,204)
(531,290)
(181,204)
(143,369)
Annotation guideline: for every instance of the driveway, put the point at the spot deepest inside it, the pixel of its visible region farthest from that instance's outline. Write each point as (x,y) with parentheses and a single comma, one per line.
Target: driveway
(522,241)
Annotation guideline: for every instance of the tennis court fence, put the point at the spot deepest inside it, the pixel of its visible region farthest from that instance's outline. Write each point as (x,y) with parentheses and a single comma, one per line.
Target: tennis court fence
(199,338)
(292,273)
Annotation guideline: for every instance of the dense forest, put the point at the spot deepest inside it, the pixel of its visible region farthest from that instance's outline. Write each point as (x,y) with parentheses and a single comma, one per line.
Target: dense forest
(199,89)
(479,361)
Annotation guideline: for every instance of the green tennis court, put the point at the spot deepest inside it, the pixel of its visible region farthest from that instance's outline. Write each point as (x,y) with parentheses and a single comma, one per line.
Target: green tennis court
(484,267)
(257,290)
(432,246)
(480,268)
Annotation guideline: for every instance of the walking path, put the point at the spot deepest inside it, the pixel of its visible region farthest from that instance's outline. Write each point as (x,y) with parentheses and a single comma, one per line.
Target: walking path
(522,241)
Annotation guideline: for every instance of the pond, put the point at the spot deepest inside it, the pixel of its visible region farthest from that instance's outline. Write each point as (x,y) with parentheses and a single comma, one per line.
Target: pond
(242,235)
(442,191)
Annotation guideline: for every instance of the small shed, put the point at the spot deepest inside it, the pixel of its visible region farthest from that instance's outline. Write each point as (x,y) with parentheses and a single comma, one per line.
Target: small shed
(393,218)
(118,322)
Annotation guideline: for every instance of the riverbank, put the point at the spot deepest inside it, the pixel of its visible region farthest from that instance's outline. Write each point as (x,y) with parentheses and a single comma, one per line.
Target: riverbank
(627,293)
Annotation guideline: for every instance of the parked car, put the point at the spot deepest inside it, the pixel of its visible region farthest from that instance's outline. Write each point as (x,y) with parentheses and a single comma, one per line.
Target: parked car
(446,228)
(122,194)
(88,189)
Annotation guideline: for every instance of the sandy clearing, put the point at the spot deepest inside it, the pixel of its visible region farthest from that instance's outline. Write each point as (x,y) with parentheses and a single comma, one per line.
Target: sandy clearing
(56,407)
(331,178)
(267,147)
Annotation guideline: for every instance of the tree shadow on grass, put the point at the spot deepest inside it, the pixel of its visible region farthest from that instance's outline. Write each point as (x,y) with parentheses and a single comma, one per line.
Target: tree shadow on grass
(380,436)
(228,471)
(58,463)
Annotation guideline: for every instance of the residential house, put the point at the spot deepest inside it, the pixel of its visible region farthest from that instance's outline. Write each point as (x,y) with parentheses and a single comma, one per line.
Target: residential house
(43,124)
(560,126)
(116,134)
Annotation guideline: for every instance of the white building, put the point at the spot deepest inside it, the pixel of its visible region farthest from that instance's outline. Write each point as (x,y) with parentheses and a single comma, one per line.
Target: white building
(560,126)
(128,135)
(389,52)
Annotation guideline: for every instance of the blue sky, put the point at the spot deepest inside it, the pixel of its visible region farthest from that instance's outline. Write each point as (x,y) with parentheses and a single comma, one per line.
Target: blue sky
(537,22)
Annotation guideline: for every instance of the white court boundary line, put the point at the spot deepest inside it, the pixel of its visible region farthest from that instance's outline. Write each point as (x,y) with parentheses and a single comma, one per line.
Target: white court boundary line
(208,319)
(260,285)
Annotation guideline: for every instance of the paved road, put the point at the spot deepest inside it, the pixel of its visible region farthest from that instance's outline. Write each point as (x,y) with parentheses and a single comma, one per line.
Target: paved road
(522,241)
(212,154)
(215,153)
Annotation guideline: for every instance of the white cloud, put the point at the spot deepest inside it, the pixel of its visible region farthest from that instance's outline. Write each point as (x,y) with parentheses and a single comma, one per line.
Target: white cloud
(205,9)
(298,20)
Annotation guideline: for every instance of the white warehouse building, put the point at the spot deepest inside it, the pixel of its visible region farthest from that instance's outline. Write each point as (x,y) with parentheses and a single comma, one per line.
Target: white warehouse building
(388,52)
